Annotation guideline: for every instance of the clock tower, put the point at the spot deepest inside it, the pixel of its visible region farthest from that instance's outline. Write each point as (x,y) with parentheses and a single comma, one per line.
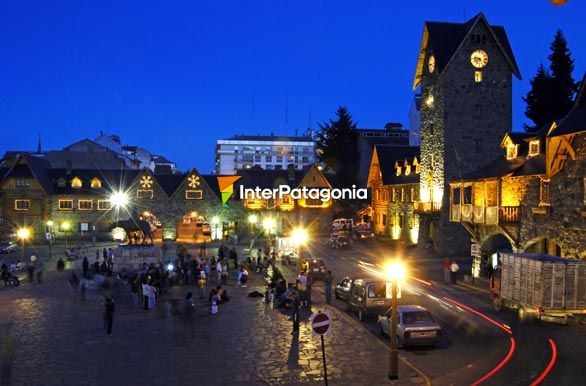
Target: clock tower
(465,74)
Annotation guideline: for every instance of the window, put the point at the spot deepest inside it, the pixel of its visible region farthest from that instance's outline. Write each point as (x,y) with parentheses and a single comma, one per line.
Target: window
(76,182)
(478,76)
(402,195)
(412,195)
(432,161)
(22,204)
(313,202)
(407,168)
(431,128)
(61,183)
(394,195)
(477,111)
(429,100)
(402,220)
(305,159)
(384,219)
(477,144)
(23,182)
(511,151)
(534,148)
(96,183)
(84,204)
(455,195)
(268,158)
(65,204)
(144,193)
(103,204)
(257,158)
(544,192)
(398,168)
(279,159)
(416,164)
(468,195)
(411,221)
(193,194)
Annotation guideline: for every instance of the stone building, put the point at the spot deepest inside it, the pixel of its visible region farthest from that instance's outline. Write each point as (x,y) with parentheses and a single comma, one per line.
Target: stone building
(465,74)
(394,183)
(533,197)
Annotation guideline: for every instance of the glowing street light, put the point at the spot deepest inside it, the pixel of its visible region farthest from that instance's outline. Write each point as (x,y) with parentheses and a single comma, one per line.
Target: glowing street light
(23,234)
(269,224)
(50,223)
(299,237)
(66,227)
(119,199)
(252,219)
(395,272)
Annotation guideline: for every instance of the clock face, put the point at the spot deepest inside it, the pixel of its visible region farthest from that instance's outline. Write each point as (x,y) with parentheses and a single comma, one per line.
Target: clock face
(431,64)
(479,59)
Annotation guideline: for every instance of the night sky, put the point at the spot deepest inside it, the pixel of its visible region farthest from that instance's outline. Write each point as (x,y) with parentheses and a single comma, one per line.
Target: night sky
(174,78)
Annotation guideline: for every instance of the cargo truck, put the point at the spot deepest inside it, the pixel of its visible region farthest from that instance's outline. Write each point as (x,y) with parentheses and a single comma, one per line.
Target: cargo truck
(540,286)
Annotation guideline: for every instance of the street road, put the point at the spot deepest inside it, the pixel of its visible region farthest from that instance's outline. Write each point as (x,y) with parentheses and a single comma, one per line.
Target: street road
(472,346)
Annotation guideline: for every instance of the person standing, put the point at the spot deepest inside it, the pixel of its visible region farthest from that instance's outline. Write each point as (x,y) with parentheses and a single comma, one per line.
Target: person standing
(109,315)
(145,294)
(328,286)
(296,302)
(309,285)
(85,264)
(219,273)
(134,291)
(73,283)
(446,266)
(234,257)
(152,294)
(454,268)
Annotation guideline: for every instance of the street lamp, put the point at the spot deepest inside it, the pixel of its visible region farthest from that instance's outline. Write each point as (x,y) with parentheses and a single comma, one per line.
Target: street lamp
(252,219)
(299,237)
(395,272)
(119,199)
(65,227)
(50,236)
(23,234)
(269,224)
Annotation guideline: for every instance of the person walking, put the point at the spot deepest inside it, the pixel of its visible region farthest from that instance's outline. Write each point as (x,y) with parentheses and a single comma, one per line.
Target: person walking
(134,291)
(308,286)
(145,294)
(109,315)
(446,266)
(152,294)
(328,286)
(454,268)
(73,283)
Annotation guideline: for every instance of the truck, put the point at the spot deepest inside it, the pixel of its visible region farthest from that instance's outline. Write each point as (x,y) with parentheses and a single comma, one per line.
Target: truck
(540,286)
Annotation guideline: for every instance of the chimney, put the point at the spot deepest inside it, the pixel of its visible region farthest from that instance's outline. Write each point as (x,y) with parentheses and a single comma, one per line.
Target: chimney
(68,166)
(291,172)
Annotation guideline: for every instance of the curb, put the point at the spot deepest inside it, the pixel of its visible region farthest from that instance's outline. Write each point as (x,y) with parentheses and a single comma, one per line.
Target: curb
(473,288)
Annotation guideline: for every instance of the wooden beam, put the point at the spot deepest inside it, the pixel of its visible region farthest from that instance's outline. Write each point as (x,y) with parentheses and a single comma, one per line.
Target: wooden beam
(470,230)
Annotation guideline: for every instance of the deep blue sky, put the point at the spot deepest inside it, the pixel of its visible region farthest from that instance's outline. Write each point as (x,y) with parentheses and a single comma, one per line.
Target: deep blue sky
(175,76)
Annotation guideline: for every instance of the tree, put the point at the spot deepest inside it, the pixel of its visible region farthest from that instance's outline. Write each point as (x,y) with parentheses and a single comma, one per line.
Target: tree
(552,92)
(337,141)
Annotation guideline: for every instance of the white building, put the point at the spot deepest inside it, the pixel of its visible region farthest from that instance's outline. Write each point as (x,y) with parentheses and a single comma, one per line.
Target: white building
(270,152)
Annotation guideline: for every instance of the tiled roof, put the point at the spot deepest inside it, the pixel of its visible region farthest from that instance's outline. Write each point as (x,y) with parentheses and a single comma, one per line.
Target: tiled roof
(575,121)
(388,155)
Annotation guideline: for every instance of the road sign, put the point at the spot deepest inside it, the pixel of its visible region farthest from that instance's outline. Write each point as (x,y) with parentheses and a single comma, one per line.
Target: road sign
(320,323)
(475,249)
(390,291)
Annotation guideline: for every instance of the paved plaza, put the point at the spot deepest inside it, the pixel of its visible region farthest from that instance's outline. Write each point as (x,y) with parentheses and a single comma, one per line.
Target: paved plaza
(59,342)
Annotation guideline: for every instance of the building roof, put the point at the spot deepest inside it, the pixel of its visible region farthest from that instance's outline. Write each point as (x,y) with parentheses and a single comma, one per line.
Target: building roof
(271,138)
(446,38)
(111,180)
(388,155)
(268,179)
(575,121)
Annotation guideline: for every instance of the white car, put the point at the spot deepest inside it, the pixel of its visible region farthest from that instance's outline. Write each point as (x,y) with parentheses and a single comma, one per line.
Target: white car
(416,326)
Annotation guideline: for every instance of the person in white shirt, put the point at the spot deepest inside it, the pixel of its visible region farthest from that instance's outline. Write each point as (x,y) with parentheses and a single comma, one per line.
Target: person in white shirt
(219,272)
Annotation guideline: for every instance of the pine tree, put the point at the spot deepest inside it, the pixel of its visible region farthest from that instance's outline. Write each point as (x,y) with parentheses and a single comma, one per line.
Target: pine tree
(338,147)
(539,100)
(552,92)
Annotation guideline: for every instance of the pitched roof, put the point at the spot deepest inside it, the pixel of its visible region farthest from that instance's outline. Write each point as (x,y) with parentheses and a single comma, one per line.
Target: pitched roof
(170,182)
(112,180)
(575,120)
(270,138)
(446,38)
(268,179)
(388,155)
(33,167)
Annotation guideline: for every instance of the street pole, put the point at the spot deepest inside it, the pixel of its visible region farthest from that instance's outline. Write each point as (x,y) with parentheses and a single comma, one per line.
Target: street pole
(22,250)
(323,351)
(394,354)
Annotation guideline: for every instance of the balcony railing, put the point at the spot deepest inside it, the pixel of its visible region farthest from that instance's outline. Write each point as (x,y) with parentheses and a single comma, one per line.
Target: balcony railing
(427,207)
(509,214)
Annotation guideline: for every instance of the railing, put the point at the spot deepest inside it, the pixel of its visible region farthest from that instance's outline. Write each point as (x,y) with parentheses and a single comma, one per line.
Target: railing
(467,213)
(455,213)
(492,215)
(427,207)
(509,214)
(478,214)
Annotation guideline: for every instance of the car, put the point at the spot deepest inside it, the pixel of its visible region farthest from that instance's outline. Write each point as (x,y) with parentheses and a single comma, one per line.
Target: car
(206,229)
(7,247)
(416,326)
(342,289)
(342,242)
(367,297)
(317,268)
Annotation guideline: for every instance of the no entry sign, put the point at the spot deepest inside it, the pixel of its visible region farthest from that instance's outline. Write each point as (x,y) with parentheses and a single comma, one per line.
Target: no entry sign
(320,323)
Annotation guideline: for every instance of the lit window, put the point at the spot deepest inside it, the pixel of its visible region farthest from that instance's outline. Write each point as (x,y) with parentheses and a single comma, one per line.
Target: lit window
(402,195)
(534,148)
(22,204)
(103,204)
(76,182)
(429,100)
(407,168)
(544,192)
(144,193)
(193,194)
(394,195)
(23,182)
(412,195)
(65,204)
(478,76)
(96,183)
(61,183)
(511,151)
(416,164)
(84,204)
(398,168)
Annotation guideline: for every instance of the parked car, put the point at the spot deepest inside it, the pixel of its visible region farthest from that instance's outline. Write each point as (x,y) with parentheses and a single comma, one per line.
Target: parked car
(343,224)
(341,241)
(7,247)
(317,268)
(342,289)
(367,297)
(416,326)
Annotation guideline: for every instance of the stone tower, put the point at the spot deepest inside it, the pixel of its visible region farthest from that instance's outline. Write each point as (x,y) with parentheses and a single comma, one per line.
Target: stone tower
(465,74)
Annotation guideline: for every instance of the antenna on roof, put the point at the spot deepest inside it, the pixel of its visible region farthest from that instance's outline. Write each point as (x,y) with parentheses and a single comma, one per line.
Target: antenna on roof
(39,147)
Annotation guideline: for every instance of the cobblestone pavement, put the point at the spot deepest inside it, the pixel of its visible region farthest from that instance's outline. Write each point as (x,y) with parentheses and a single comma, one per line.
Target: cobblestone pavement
(59,342)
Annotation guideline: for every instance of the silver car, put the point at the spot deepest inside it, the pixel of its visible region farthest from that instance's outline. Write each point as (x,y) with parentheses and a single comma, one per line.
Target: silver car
(416,326)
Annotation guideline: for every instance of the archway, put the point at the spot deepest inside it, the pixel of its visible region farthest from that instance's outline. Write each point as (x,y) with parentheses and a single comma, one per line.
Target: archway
(156,225)
(193,228)
(491,247)
(544,245)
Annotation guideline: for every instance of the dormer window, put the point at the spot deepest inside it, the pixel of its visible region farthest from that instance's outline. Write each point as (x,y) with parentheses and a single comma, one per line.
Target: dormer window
(61,183)
(534,148)
(96,183)
(398,168)
(407,168)
(76,182)
(416,164)
(511,151)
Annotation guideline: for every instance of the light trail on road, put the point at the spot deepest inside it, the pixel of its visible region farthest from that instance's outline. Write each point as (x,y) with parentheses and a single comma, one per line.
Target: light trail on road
(500,365)
(486,317)
(554,356)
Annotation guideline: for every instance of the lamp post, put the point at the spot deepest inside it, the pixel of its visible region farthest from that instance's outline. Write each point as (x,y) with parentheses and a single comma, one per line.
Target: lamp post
(65,227)
(50,236)
(300,237)
(215,222)
(23,234)
(395,272)
(252,220)
(269,224)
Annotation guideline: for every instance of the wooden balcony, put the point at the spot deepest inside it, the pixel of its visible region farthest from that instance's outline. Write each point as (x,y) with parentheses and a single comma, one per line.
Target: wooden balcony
(486,215)
(427,207)
(509,214)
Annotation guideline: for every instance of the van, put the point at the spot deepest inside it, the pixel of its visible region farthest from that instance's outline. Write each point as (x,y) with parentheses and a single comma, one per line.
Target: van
(343,224)
(367,297)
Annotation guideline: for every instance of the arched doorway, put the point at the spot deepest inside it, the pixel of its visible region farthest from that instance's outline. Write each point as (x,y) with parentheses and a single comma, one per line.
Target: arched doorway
(193,228)
(544,245)
(490,252)
(156,225)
